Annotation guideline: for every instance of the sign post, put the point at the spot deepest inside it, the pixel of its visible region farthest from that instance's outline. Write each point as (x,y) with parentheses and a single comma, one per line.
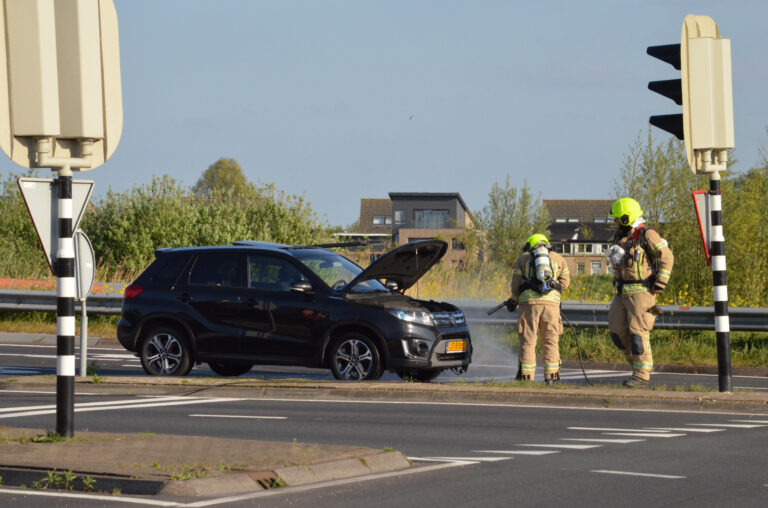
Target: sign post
(60,108)
(85,272)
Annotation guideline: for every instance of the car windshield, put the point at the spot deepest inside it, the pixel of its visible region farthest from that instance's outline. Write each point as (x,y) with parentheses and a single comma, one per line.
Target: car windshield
(337,271)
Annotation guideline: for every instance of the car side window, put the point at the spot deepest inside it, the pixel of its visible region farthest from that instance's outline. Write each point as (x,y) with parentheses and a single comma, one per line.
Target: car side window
(169,271)
(217,269)
(265,272)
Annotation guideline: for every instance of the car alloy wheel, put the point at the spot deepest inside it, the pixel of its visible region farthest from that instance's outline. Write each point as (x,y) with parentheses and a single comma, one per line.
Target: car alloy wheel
(165,353)
(355,358)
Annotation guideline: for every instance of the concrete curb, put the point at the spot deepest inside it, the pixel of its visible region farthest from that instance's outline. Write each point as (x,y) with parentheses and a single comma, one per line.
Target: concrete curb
(345,468)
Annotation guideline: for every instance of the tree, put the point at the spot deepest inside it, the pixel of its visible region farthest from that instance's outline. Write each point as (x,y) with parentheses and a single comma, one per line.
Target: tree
(510,217)
(223,176)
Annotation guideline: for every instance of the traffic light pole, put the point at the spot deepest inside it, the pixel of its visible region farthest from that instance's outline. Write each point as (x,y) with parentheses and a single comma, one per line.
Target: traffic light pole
(720,285)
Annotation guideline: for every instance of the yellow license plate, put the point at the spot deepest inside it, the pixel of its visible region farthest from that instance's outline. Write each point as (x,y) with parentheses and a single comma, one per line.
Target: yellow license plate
(456,346)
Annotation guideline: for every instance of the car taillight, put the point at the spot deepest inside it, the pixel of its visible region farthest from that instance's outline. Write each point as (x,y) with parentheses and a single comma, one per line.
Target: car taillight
(132,291)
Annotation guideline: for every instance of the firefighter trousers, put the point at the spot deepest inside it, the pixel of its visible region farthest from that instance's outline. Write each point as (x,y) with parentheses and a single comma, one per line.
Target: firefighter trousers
(535,318)
(630,322)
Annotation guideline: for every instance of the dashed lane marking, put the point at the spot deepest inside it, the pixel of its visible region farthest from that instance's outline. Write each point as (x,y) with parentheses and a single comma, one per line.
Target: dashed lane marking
(641,434)
(730,425)
(632,473)
(243,416)
(519,452)
(614,441)
(566,446)
(612,429)
(685,429)
(472,459)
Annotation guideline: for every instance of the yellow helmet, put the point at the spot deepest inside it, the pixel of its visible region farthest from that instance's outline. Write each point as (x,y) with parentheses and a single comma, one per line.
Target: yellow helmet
(535,240)
(627,210)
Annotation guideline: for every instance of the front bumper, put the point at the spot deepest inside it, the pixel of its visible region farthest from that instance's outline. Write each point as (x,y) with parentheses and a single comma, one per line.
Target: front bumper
(437,357)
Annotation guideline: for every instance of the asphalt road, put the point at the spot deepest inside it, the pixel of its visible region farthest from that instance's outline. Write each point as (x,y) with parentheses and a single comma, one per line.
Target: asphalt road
(466,454)
(492,363)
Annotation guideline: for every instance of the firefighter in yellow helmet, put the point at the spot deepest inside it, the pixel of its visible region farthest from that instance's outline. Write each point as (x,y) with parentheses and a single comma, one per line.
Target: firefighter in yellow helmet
(642,263)
(539,276)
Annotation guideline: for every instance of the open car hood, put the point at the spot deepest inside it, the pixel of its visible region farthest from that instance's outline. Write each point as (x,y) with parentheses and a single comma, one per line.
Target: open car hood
(405,264)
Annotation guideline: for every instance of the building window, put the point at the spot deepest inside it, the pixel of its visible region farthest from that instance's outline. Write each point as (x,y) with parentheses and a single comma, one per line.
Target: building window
(558,247)
(597,267)
(573,219)
(561,219)
(431,219)
(381,220)
(457,244)
(399,216)
(579,268)
(601,220)
(583,248)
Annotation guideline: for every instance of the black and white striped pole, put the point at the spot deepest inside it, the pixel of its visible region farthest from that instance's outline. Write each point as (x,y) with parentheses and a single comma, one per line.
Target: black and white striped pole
(720,285)
(65,309)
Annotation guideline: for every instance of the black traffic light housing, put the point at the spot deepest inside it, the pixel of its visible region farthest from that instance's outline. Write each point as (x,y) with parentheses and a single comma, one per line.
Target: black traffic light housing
(670,88)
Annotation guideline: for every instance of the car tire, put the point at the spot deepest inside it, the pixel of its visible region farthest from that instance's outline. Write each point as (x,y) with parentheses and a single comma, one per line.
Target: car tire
(355,357)
(230,369)
(419,375)
(165,351)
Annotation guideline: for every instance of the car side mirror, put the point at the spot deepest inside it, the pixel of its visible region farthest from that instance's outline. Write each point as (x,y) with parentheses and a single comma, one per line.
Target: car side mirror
(302,287)
(391,285)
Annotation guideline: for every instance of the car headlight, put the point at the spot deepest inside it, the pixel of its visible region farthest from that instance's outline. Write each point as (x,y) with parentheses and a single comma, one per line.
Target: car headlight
(413,316)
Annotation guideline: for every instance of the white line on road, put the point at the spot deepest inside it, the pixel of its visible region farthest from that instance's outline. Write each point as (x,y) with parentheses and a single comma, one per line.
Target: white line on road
(616,441)
(80,409)
(89,404)
(519,452)
(729,425)
(243,416)
(751,421)
(98,497)
(641,434)
(684,429)
(567,446)
(630,473)
(45,393)
(610,429)
(473,459)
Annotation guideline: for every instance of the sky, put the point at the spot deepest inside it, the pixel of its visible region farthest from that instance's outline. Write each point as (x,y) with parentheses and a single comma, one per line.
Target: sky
(343,100)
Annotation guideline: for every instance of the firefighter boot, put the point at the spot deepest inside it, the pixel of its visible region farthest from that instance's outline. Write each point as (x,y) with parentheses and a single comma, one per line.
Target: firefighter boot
(635,382)
(552,378)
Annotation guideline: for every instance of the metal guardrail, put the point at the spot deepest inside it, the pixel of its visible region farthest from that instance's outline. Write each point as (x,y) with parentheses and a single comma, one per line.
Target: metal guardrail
(582,315)
(588,315)
(45,301)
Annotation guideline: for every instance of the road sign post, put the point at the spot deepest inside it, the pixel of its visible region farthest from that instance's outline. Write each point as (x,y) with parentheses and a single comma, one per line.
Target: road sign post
(60,108)
(704,90)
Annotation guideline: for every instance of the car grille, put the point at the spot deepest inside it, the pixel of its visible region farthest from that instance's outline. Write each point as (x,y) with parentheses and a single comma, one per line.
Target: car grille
(448,318)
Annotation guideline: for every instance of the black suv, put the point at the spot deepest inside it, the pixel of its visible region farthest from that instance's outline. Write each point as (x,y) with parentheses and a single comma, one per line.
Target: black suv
(262,303)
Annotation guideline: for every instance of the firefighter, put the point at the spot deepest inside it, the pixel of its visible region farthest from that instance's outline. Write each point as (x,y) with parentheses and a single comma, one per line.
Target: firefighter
(642,262)
(539,276)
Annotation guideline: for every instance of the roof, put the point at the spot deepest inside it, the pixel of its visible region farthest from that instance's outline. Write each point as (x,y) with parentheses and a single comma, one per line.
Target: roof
(454,195)
(584,209)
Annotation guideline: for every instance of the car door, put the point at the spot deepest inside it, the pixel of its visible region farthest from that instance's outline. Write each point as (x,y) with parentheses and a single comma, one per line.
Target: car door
(275,319)
(211,292)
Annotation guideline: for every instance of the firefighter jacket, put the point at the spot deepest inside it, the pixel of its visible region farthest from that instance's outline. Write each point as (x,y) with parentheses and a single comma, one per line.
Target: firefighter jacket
(647,261)
(524,270)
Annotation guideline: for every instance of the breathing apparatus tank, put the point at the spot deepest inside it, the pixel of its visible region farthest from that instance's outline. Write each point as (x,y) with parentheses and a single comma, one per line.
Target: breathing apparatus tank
(539,247)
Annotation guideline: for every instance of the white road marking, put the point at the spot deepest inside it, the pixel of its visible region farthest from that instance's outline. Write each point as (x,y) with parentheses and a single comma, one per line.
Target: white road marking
(70,495)
(631,473)
(751,421)
(729,425)
(519,452)
(641,434)
(567,446)
(473,459)
(685,429)
(89,404)
(616,441)
(27,355)
(131,405)
(611,429)
(45,393)
(334,483)
(243,416)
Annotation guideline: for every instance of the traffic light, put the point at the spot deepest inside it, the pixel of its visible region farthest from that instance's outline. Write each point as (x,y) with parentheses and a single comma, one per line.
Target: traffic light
(704,91)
